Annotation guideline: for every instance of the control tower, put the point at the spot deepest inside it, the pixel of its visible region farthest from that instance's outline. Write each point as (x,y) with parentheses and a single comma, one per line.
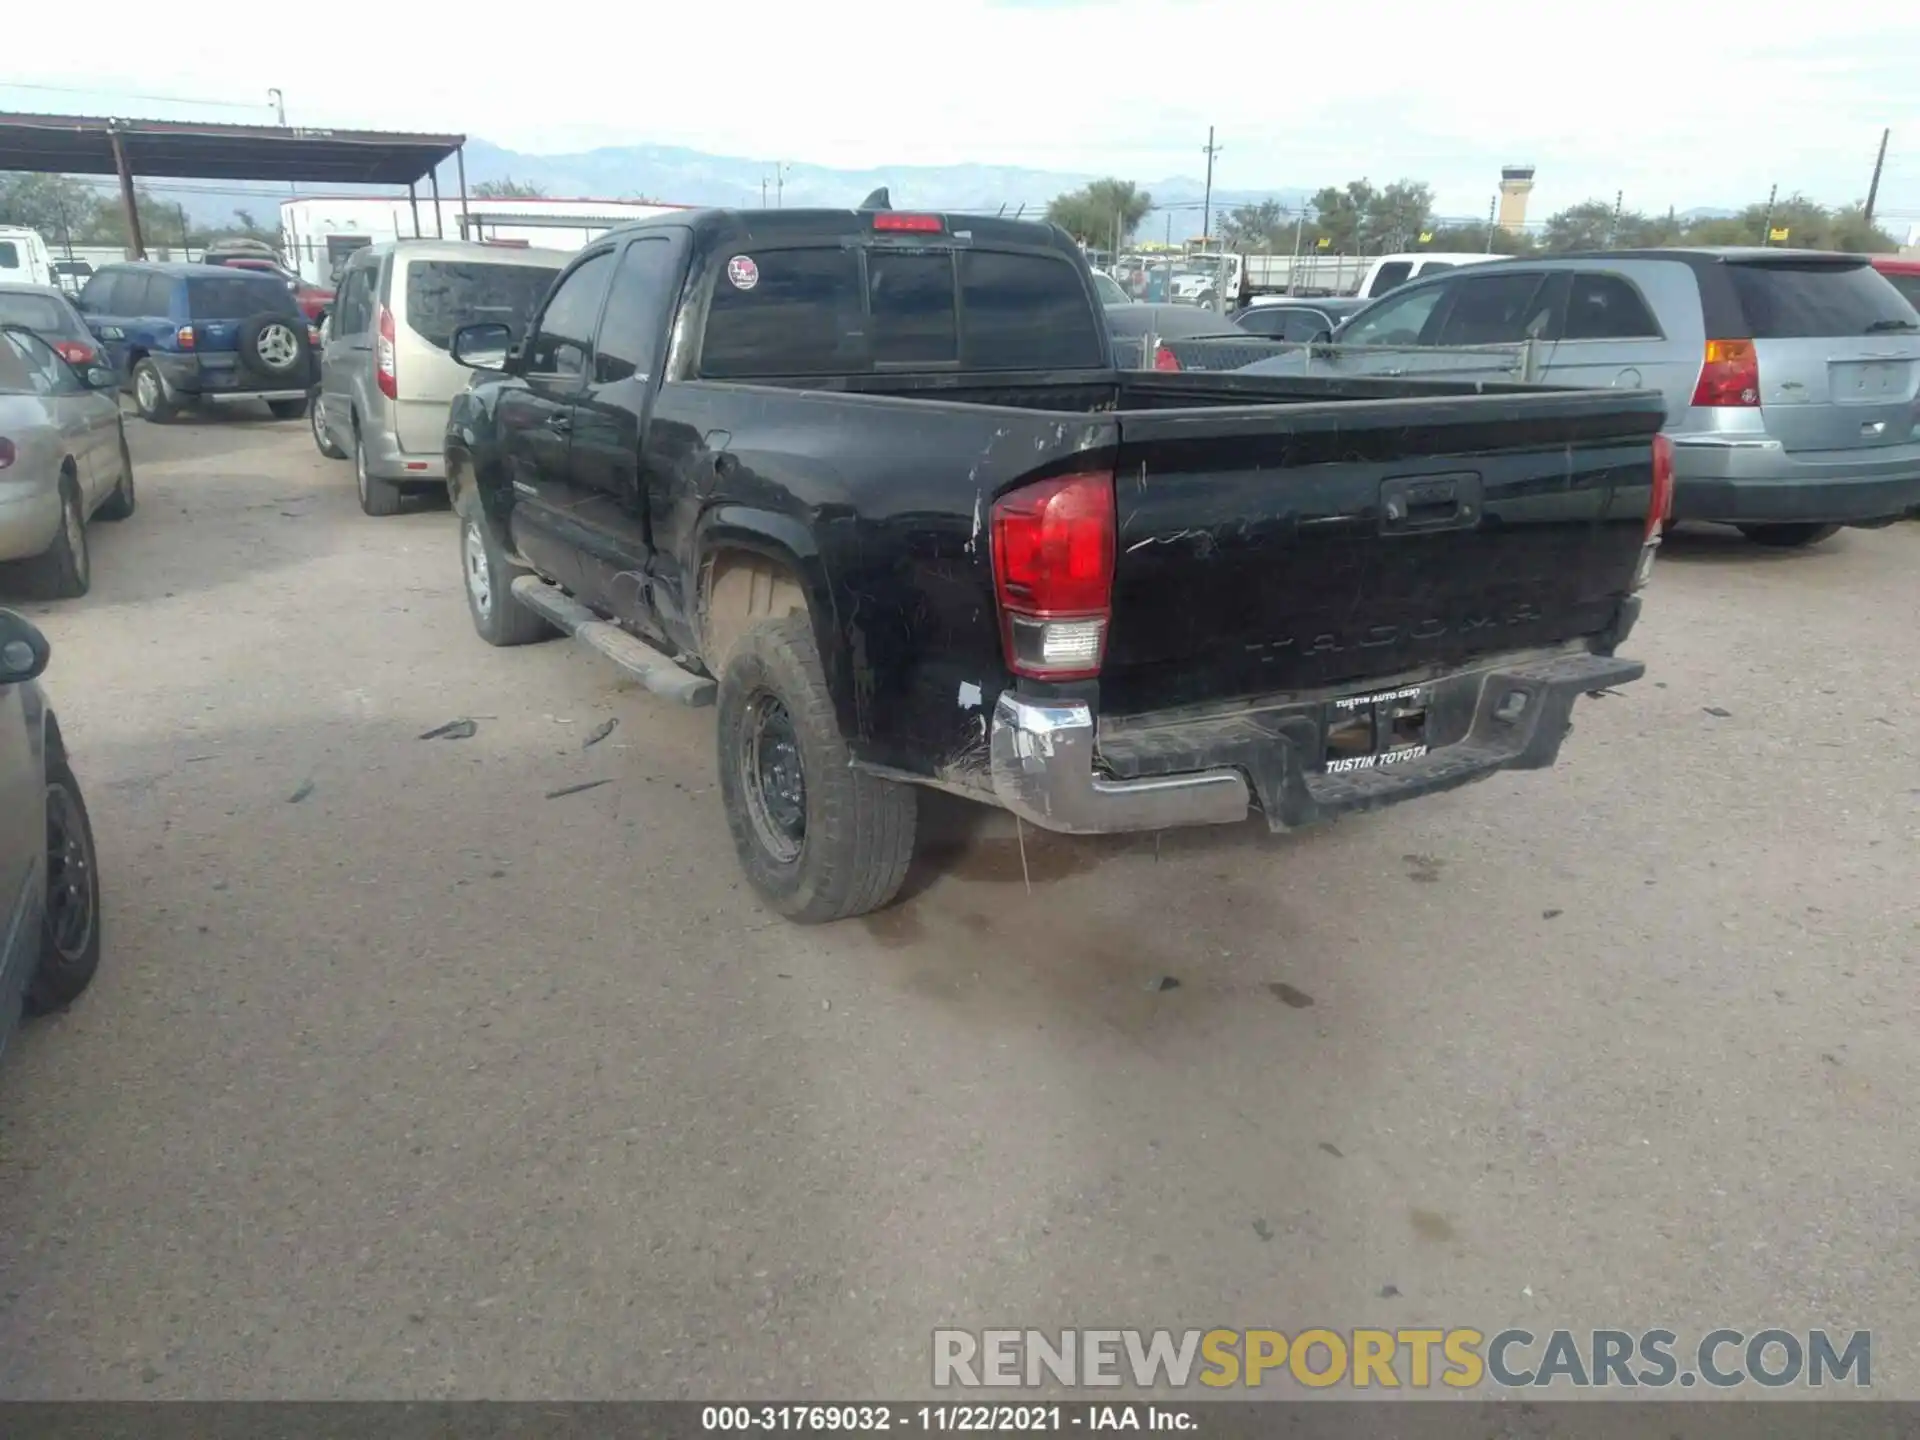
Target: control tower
(1516,183)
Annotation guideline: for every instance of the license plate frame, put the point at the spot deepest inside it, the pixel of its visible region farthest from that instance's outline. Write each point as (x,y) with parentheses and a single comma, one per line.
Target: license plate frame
(1375,730)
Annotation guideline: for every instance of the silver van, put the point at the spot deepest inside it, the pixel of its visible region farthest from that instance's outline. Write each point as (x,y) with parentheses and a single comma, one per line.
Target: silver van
(386,379)
(1791,376)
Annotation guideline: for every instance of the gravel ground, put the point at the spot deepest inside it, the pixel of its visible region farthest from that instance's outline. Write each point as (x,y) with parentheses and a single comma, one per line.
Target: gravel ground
(402,1078)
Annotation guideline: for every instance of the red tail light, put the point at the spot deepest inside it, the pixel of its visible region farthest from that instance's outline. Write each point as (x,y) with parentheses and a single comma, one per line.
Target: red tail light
(184,337)
(1730,375)
(74,353)
(913,224)
(383,357)
(1659,509)
(1165,359)
(1053,575)
(7,452)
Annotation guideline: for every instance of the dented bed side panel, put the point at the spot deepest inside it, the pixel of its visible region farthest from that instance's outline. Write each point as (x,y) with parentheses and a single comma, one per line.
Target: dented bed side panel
(894,497)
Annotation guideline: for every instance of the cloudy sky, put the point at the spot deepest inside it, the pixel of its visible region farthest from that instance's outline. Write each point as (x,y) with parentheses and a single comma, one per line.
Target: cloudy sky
(1672,103)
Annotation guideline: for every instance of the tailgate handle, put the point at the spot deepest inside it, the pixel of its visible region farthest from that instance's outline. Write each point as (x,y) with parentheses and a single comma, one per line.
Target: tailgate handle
(1415,503)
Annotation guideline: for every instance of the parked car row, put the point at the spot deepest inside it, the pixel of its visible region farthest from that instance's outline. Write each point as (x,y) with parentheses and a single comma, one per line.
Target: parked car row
(1790,377)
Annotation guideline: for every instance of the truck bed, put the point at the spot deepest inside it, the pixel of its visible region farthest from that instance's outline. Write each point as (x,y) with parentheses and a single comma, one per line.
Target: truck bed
(1272,536)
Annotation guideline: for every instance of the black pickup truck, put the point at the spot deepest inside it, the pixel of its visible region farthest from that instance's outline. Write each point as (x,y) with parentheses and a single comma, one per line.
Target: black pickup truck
(871,480)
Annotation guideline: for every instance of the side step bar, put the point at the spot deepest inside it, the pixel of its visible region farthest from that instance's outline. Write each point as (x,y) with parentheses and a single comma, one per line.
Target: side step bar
(649,666)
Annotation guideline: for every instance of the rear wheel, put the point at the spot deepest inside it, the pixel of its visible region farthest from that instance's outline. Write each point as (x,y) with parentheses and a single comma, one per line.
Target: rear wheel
(64,571)
(818,839)
(70,937)
(150,396)
(377,496)
(322,441)
(1788,537)
(288,409)
(498,618)
(119,505)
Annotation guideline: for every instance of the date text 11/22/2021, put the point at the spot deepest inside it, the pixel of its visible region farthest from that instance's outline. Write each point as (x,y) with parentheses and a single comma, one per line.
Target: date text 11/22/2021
(972,1419)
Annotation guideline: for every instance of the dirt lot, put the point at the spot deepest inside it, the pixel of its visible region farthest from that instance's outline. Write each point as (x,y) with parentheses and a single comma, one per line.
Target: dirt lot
(402,1078)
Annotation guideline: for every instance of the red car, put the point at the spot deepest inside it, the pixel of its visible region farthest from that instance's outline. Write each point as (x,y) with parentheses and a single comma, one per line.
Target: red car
(312,300)
(1904,273)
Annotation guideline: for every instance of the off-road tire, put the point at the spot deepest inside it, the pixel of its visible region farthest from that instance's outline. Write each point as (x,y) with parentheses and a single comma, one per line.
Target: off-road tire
(59,979)
(377,497)
(120,504)
(501,620)
(859,828)
(64,571)
(1788,536)
(156,409)
(288,409)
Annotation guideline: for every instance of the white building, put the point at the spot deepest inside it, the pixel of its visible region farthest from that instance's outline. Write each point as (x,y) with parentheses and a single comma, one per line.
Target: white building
(319,232)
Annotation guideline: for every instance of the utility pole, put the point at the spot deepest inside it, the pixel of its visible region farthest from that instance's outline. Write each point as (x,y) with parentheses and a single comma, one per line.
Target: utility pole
(1766,226)
(1873,190)
(1493,205)
(779,184)
(1206,210)
(279,100)
(763,192)
(1613,225)
(66,230)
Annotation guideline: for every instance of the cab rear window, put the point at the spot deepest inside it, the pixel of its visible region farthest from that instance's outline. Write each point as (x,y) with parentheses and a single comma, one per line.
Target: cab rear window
(238,297)
(820,310)
(1788,301)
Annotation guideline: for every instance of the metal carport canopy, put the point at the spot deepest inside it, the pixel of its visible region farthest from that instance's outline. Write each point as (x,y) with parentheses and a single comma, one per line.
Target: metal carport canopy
(86,145)
(105,145)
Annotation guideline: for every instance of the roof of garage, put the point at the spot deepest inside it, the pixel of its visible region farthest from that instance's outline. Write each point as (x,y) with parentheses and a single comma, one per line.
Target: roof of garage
(83,145)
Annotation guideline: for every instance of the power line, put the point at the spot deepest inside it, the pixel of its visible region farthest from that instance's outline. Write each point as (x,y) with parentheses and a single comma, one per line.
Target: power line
(129,95)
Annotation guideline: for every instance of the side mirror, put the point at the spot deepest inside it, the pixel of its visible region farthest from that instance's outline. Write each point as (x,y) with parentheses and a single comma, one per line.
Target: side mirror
(1323,337)
(483,346)
(99,377)
(24,651)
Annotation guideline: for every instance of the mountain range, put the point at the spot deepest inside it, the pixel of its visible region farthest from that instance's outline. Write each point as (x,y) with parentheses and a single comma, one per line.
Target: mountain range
(692,177)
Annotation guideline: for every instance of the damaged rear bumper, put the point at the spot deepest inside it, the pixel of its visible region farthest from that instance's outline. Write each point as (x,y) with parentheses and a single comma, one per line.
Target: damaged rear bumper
(1051,762)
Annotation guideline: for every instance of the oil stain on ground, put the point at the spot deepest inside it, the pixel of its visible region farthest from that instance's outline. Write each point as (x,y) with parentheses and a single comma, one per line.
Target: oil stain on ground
(1430,1225)
(1423,868)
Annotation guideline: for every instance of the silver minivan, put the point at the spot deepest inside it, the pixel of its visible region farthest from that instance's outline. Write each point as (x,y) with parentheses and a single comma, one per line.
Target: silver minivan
(386,378)
(1791,376)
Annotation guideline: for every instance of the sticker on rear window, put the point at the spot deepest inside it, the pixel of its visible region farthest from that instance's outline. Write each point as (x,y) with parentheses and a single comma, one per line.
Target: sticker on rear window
(743,272)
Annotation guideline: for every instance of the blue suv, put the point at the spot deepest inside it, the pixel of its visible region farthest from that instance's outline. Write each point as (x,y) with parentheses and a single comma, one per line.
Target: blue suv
(181,335)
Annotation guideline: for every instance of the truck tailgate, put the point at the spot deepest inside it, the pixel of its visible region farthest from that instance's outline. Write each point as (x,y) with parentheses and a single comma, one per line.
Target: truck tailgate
(1267,550)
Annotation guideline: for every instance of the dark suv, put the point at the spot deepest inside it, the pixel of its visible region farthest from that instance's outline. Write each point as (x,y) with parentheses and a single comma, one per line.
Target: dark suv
(194,334)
